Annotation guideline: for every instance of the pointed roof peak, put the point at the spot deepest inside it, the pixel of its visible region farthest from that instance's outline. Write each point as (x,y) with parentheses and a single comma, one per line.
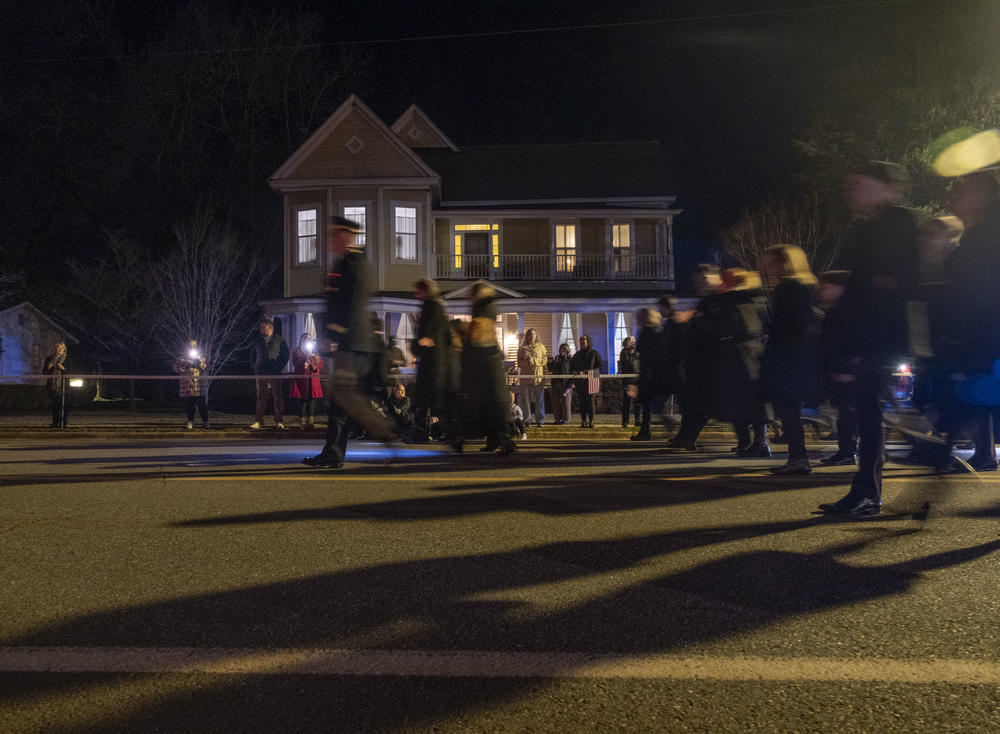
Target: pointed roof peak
(416,129)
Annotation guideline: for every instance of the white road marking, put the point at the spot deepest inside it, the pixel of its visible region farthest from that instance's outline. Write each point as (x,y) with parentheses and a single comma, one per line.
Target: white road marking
(476,664)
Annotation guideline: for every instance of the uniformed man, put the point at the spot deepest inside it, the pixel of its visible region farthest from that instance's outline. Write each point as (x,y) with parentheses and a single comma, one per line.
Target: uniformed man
(350,341)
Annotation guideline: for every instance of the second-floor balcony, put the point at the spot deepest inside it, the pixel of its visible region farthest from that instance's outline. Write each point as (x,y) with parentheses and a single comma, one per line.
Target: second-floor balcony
(552,267)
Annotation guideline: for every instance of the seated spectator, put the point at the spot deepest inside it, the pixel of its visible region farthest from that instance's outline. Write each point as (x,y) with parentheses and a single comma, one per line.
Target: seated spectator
(520,430)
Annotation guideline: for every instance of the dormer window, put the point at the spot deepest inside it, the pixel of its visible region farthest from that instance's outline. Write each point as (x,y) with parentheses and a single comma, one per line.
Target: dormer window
(307,241)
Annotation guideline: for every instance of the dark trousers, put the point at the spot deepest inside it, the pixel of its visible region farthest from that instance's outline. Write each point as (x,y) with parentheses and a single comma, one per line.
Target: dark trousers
(59,409)
(307,407)
(630,406)
(195,401)
(845,400)
(562,401)
(691,426)
(586,405)
(270,389)
(867,483)
(349,401)
(789,412)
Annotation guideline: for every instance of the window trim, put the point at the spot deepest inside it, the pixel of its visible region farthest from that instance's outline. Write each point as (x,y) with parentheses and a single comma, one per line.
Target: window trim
(419,234)
(553,251)
(320,234)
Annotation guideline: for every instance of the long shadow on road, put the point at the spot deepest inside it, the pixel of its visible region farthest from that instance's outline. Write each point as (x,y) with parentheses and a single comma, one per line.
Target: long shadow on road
(453,604)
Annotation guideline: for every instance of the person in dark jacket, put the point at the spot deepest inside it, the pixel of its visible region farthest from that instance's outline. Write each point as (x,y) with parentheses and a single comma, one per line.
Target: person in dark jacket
(628,364)
(190,367)
(702,397)
(484,380)
(562,389)
(55,367)
(432,348)
(587,362)
(789,365)
(880,251)
(841,393)
(969,342)
(269,356)
(350,341)
(652,388)
(742,344)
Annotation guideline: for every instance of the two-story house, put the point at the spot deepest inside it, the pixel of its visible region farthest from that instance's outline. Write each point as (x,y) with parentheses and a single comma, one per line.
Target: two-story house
(575,237)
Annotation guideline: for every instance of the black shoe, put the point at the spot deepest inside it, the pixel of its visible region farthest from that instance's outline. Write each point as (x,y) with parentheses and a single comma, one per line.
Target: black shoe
(490,447)
(842,504)
(678,445)
(799,466)
(755,452)
(507,448)
(861,508)
(322,462)
(983,465)
(641,436)
(839,459)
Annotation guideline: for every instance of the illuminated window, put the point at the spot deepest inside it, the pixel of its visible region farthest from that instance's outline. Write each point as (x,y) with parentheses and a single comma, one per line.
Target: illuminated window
(473,227)
(621,332)
(621,243)
(565,247)
(305,235)
(358,214)
(405,233)
(566,333)
(458,251)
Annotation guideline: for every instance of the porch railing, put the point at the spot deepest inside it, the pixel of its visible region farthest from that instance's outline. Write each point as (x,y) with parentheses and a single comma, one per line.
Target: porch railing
(552,267)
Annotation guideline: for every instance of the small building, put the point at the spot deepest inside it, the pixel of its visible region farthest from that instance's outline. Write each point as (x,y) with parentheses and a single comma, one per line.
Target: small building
(574,237)
(27,336)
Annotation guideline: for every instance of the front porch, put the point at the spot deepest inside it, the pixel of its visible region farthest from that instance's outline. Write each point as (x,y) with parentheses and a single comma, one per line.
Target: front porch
(552,267)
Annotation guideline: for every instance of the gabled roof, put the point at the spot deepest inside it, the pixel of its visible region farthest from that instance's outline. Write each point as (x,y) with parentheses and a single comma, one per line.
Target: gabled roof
(352,104)
(414,127)
(573,171)
(42,316)
(466,290)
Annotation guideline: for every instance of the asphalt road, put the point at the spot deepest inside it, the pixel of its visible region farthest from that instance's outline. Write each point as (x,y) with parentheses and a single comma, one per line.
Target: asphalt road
(573,587)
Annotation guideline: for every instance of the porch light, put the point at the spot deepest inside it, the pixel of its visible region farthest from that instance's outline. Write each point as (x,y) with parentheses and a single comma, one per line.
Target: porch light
(76,383)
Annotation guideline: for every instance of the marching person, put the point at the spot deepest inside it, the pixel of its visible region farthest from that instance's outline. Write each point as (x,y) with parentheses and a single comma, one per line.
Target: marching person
(789,367)
(307,388)
(586,362)
(269,356)
(55,365)
(350,340)
(880,251)
(190,366)
(432,348)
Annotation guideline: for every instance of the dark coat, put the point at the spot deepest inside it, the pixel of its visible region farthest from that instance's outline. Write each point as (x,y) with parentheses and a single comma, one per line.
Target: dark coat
(348,323)
(484,380)
(703,362)
(269,356)
(433,383)
(881,254)
(560,365)
(741,324)
(55,365)
(628,361)
(790,364)
(583,361)
(661,352)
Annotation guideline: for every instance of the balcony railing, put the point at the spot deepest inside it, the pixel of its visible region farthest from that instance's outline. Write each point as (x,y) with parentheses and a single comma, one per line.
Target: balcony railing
(552,267)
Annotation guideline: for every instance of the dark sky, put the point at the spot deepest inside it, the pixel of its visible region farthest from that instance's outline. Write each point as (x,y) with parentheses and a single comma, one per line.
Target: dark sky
(725,94)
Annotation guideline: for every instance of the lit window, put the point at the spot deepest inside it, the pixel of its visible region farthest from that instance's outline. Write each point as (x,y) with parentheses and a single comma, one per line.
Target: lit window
(305,234)
(405,234)
(621,243)
(458,251)
(565,247)
(358,214)
(621,332)
(566,333)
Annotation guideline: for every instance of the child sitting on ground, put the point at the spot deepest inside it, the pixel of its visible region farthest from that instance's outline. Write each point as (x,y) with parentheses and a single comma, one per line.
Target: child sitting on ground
(520,429)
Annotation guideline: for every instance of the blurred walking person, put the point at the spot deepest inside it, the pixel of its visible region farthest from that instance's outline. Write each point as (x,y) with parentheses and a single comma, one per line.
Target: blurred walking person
(880,251)
(586,362)
(55,367)
(349,339)
(840,392)
(308,387)
(628,364)
(269,356)
(789,366)
(432,348)
(742,345)
(190,366)
(562,389)
(532,358)
(484,380)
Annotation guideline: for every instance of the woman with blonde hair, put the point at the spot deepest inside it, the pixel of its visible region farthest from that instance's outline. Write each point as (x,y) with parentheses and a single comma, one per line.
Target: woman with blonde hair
(788,368)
